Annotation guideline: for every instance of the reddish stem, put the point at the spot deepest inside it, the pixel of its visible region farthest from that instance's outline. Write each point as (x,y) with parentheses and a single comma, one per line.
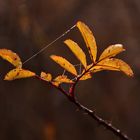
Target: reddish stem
(71,97)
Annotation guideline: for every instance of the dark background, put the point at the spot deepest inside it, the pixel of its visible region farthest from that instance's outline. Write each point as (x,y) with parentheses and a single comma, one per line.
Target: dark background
(32,110)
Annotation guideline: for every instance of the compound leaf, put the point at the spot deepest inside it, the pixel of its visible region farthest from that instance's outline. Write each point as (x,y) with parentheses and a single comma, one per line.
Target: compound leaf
(64,63)
(18,73)
(73,46)
(46,76)
(111,51)
(11,57)
(89,39)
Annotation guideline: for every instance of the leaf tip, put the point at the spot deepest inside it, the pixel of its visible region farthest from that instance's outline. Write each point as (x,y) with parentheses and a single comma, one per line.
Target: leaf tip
(51,56)
(67,40)
(120,46)
(79,23)
(131,73)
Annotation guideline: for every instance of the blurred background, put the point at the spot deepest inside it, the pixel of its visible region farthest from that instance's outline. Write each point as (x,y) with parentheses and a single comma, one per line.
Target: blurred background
(32,110)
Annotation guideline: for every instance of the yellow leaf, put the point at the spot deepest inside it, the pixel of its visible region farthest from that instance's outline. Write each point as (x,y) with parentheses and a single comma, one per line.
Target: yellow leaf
(63,79)
(77,51)
(86,76)
(64,63)
(98,67)
(55,83)
(18,73)
(111,51)
(113,64)
(46,76)
(95,68)
(11,57)
(89,39)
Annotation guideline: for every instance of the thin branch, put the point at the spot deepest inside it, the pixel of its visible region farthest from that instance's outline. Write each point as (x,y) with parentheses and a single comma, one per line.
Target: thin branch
(102,122)
(91,113)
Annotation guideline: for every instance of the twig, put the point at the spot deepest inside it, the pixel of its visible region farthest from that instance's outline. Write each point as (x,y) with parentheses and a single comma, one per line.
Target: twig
(102,122)
(71,97)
